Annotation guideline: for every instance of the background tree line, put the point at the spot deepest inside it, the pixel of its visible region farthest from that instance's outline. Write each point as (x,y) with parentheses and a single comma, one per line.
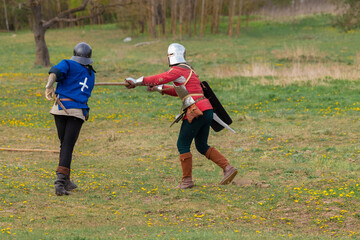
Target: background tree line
(155,17)
(160,17)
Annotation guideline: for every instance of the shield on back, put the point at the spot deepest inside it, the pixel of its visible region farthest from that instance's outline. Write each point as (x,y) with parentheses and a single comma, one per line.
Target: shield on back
(218,108)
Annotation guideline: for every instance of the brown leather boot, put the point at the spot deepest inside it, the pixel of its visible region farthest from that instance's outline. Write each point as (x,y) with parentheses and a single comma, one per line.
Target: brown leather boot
(229,174)
(186,165)
(186,182)
(62,174)
(229,171)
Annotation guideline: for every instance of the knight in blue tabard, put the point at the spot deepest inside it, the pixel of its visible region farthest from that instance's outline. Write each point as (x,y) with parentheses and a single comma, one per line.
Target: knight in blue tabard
(75,80)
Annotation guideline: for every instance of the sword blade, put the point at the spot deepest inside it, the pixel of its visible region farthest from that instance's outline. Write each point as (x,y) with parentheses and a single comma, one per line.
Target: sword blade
(111,83)
(178,118)
(222,123)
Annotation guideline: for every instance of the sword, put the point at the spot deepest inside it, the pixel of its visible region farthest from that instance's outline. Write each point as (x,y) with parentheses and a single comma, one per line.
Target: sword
(222,123)
(178,118)
(61,105)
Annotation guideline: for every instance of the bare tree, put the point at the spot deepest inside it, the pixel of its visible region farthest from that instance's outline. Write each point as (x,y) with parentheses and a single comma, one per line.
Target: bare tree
(250,6)
(231,17)
(218,16)
(58,8)
(238,22)
(188,12)
(217,5)
(40,26)
(202,18)
(152,17)
(181,18)
(194,14)
(350,17)
(174,11)
(143,16)
(6,17)
(163,16)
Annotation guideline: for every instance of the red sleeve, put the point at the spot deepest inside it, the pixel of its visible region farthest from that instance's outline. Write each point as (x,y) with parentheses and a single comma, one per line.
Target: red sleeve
(169,90)
(162,78)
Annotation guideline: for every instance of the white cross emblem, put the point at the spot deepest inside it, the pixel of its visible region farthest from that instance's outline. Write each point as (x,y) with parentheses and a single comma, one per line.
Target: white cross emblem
(83,84)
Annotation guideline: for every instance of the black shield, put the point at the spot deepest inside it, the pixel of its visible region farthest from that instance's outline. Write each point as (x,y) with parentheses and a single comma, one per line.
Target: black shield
(218,108)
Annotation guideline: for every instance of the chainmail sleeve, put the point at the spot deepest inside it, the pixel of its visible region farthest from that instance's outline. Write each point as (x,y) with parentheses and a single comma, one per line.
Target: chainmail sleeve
(51,80)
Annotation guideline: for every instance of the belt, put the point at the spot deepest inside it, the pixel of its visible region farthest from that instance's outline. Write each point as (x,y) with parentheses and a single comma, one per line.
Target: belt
(190,95)
(58,101)
(199,99)
(66,99)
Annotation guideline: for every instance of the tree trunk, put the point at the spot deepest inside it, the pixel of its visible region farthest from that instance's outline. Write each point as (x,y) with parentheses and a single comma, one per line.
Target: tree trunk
(206,17)
(216,16)
(42,52)
(101,20)
(217,23)
(231,17)
(58,6)
(188,11)
(163,20)
(238,23)
(213,13)
(6,17)
(202,18)
(174,11)
(181,18)
(152,17)
(16,21)
(48,8)
(194,14)
(143,16)
(118,17)
(133,26)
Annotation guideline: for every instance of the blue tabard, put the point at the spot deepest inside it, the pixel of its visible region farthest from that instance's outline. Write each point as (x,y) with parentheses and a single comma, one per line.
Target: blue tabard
(74,81)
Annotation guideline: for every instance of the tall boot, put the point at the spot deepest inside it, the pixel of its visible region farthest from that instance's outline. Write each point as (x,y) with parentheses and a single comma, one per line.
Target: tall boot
(186,165)
(69,185)
(229,171)
(62,174)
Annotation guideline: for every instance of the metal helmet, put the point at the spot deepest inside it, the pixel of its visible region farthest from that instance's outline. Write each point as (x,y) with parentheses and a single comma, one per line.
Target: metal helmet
(176,54)
(82,54)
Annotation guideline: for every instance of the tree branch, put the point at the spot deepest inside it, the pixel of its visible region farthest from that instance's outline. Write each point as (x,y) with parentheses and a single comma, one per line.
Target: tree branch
(61,15)
(58,18)
(73,10)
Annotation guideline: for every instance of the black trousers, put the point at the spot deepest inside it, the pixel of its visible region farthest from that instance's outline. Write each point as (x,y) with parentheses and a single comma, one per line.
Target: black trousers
(68,129)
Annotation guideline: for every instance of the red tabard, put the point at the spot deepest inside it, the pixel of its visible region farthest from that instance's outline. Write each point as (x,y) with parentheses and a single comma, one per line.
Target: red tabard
(178,76)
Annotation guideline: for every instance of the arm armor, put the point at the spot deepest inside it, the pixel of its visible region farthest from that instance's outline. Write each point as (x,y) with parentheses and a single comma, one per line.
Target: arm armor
(159,89)
(59,75)
(51,80)
(137,82)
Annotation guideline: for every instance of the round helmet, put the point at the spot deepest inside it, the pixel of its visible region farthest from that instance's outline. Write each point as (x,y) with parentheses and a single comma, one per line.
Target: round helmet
(176,54)
(82,54)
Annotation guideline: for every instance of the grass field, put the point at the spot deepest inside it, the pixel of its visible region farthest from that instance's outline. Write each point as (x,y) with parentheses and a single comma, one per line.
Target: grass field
(292,90)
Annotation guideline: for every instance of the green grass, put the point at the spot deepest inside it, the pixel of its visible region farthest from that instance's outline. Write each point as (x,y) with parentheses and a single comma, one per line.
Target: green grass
(296,147)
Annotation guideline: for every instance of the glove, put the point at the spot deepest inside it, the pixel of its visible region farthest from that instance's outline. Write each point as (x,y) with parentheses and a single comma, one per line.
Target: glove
(50,93)
(157,88)
(133,82)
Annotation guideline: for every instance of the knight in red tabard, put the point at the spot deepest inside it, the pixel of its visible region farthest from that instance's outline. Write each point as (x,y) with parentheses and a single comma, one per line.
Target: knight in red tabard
(199,113)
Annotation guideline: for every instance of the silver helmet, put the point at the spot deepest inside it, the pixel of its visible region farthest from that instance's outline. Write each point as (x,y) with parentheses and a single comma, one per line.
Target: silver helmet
(176,54)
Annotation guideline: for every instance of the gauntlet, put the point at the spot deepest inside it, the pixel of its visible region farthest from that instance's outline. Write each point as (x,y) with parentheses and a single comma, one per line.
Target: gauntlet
(50,93)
